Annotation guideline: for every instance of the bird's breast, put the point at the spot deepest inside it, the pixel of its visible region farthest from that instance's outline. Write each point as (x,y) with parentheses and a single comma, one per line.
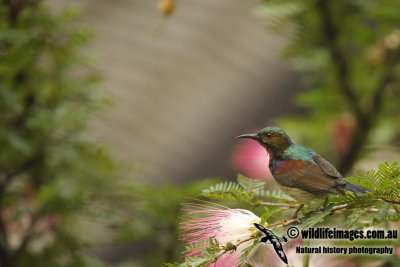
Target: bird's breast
(300,195)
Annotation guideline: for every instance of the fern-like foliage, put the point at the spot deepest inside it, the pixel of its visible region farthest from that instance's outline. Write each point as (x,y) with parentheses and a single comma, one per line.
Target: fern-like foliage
(209,251)
(247,252)
(250,185)
(224,187)
(386,181)
(207,248)
(376,207)
(275,195)
(245,190)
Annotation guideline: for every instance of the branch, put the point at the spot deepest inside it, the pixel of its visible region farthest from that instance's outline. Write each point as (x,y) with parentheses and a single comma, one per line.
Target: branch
(338,57)
(396,209)
(339,62)
(23,168)
(287,205)
(339,207)
(16,7)
(298,219)
(230,247)
(365,118)
(366,122)
(4,245)
(5,258)
(27,238)
(390,200)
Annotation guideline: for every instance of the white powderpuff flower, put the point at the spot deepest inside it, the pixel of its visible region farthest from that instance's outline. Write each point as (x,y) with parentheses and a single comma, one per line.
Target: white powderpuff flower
(225,225)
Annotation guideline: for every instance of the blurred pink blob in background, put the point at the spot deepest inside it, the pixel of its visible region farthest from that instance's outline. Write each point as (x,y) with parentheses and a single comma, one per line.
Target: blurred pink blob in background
(251,160)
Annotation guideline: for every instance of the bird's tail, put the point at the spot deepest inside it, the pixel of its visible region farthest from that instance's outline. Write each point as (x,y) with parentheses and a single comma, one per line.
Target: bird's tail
(356,189)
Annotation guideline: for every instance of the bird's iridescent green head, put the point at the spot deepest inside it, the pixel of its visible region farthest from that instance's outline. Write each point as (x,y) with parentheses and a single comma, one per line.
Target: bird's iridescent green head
(274,139)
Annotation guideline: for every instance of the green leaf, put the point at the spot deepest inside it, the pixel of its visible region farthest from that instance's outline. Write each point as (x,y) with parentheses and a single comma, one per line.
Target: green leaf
(276,195)
(249,185)
(353,217)
(248,251)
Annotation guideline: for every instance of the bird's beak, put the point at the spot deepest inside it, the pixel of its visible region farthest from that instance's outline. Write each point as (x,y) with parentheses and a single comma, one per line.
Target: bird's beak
(250,136)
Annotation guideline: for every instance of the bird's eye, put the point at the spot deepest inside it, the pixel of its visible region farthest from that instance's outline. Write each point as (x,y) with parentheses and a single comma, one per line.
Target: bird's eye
(268,135)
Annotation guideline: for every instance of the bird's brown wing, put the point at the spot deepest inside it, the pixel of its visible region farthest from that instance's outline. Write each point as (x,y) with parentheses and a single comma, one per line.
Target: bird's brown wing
(327,167)
(306,175)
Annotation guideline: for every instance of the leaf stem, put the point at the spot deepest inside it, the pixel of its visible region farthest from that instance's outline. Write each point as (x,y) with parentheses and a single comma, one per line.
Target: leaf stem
(287,205)
(234,247)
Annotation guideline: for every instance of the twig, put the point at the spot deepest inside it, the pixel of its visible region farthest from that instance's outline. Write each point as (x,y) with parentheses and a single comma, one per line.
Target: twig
(396,209)
(233,247)
(298,219)
(287,205)
(339,207)
(371,210)
(390,200)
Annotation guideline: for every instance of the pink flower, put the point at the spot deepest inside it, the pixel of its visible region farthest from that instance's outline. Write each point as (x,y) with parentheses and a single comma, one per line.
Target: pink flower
(251,159)
(397,252)
(226,225)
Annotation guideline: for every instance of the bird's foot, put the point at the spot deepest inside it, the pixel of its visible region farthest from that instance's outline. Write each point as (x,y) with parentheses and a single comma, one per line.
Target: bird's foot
(297,219)
(324,206)
(297,211)
(321,209)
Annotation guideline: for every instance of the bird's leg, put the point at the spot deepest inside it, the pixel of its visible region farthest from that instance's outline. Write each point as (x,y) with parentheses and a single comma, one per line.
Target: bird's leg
(325,205)
(297,211)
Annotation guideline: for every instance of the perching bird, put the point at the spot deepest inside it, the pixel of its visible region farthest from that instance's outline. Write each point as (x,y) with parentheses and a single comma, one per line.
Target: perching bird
(301,172)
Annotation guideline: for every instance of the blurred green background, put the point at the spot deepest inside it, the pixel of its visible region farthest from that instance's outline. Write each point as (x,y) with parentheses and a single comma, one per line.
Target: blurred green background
(113,112)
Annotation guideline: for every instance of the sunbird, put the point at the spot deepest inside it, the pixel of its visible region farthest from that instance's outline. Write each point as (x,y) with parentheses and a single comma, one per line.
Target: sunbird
(301,172)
